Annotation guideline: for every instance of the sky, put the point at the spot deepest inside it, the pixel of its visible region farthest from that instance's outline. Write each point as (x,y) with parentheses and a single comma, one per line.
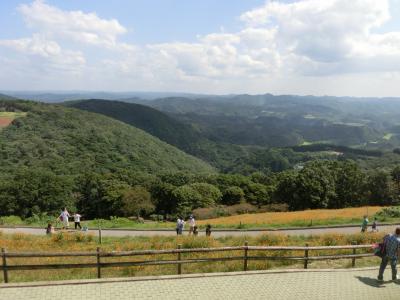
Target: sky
(306,47)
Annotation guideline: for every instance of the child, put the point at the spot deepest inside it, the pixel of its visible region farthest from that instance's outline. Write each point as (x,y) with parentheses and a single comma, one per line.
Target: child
(85,228)
(375,225)
(49,229)
(195,232)
(364,225)
(208,230)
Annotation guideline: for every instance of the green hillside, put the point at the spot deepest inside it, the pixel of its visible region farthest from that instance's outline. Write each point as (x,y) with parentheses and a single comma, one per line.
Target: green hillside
(70,141)
(146,118)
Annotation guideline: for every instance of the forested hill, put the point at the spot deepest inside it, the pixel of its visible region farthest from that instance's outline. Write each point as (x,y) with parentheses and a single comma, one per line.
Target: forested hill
(146,118)
(70,141)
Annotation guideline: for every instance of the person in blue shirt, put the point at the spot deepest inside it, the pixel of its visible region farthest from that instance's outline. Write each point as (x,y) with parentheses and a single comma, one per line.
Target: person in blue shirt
(392,251)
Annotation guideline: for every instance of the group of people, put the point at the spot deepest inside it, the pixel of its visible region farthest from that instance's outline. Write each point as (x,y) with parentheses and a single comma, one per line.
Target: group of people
(64,218)
(364,225)
(193,229)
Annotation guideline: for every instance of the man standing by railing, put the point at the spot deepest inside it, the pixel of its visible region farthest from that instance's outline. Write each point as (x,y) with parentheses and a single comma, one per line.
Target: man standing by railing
(392,251)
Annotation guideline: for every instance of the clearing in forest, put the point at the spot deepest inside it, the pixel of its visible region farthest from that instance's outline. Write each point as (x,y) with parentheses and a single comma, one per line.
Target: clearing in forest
(7,117)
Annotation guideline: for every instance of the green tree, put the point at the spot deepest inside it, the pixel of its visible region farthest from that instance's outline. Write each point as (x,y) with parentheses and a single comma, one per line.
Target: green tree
(233,195)
(210,194)
(136,201)
(349,185)
(186,197)
(379,188)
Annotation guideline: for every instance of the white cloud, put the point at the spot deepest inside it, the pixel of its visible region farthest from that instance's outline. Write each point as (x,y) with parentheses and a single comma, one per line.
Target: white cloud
(76,25)
(280,48)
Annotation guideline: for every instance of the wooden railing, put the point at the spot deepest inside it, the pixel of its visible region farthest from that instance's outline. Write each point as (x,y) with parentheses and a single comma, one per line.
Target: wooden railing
(99,264)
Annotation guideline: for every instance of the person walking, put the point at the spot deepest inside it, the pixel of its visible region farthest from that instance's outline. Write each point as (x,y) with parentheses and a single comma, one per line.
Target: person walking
(192,224)
(64,218)
(364,224)
(178,222)
(391,249)
(375,225)
(77,220)
(181,226)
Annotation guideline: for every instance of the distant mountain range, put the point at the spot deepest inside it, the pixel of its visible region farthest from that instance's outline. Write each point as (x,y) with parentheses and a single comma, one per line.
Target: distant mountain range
(246,133)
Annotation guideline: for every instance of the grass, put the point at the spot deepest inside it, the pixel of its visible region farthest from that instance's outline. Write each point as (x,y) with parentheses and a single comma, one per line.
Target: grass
(387,136)
(11,114)
(7,117)
(72,242)
(307,218)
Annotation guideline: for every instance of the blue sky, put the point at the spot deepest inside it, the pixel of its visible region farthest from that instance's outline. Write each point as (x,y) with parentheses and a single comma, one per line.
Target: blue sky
(148,21)
(335,47)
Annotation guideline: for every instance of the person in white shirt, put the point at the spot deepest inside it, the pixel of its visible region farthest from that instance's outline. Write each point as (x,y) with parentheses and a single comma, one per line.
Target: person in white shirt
(64,218)
(178,223)
(77,220)
(192,224)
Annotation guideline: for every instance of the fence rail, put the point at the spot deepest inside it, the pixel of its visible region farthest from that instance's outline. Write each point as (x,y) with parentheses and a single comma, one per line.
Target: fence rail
(179,261)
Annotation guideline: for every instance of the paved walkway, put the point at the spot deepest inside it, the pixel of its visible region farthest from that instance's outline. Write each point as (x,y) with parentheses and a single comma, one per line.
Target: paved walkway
(215,233)
(295,284)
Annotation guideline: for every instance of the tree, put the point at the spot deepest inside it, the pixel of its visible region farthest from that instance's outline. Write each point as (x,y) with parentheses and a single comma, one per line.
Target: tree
(312,187)
(185,197)
(257,194)
(210,194)
(163,197)
(136,201)
(233,195)
(349,185)
(396,176)
(35,191)
(379,188)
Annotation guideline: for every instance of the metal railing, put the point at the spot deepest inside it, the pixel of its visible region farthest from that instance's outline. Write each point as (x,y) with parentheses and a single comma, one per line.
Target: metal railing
(246,256)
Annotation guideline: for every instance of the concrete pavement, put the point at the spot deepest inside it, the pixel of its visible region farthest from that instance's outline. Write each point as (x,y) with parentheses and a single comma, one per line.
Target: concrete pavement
(215,233)
(293,284)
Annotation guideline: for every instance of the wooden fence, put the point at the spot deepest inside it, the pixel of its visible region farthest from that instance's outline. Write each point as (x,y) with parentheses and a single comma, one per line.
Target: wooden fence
(179,261)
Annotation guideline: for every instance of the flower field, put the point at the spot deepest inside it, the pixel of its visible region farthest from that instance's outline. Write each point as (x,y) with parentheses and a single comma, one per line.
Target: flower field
(74,242)
(297,218)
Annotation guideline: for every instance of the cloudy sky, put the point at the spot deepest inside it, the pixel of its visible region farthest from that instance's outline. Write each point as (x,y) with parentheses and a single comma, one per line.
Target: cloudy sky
(320,47)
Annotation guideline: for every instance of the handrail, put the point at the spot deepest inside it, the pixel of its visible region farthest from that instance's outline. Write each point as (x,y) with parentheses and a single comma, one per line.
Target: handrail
(179,261)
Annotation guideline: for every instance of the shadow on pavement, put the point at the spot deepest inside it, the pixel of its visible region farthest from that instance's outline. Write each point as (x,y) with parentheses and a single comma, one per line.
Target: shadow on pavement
(371,281)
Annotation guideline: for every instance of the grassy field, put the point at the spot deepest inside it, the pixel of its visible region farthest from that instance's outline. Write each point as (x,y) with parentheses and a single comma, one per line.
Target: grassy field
(304,218)
(307,218)
(7,117)
(70,242)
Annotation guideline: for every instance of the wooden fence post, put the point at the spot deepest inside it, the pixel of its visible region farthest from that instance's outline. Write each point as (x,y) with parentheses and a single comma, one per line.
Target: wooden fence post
(100,239)
(306,258)
(179,258)
(353,260)
(5,271)
(98,263)
(246,248)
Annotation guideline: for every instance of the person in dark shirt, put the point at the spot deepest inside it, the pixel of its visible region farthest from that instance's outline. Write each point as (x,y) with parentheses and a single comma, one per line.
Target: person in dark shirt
(392,250)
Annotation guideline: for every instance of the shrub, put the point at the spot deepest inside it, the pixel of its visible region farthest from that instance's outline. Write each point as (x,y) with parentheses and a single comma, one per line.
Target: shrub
(389,212)
(242,208)
(11,220)
(58,237)
(274,207)
(157,218)
(210,212)
(80,237)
